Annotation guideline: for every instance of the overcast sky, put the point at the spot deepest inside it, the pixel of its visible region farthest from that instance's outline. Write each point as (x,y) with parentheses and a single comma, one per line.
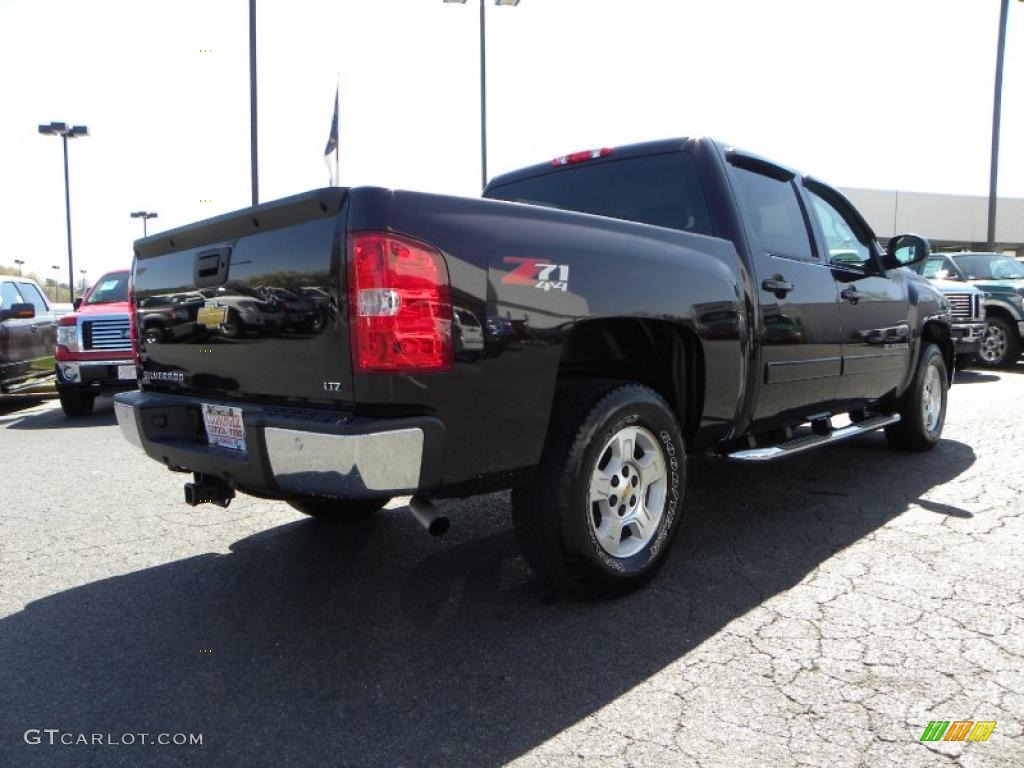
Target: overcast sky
(872,93)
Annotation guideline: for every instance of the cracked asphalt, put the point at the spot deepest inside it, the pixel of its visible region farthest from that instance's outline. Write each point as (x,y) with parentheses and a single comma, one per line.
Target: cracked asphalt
(819,611)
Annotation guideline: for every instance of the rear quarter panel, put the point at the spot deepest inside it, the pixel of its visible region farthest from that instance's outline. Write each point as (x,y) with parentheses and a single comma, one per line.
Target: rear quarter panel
(529,275)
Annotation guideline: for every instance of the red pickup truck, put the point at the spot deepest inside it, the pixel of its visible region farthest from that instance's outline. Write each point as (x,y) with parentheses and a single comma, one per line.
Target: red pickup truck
(94,346)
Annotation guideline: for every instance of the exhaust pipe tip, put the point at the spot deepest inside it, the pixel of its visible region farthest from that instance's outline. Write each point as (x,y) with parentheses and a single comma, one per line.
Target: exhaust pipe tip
(430,517)
(439,526)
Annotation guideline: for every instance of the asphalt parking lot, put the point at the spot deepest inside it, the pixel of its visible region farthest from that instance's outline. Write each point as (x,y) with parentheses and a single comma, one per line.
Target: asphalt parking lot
(819,611)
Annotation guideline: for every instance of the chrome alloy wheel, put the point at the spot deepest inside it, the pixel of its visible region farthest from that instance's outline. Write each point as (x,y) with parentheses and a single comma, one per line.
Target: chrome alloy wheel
(993,346)
(931,399)
(627,491)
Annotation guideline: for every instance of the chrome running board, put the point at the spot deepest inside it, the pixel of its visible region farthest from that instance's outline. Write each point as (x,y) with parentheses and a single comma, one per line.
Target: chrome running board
(806,443)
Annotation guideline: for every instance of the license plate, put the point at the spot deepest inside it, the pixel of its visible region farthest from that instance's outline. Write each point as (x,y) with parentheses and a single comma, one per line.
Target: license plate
(126,371)
(212,317)
(224,426)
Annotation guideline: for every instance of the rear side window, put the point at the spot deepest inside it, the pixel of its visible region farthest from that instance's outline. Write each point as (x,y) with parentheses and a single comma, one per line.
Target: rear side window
(663,190)
(9,295)
(774,213)
(34,297)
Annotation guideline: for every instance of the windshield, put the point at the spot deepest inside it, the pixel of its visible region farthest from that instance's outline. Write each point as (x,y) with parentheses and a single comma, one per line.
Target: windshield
(990,266)
(111,287)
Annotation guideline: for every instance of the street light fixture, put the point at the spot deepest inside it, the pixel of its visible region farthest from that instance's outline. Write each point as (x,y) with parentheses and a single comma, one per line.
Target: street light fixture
(19,262)
(56,282)
(483,83)
(144,215)
(62,130)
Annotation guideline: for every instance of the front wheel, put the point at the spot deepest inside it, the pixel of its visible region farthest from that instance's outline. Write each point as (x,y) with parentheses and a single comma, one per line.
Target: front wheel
(606,500)
(922,408)
(77,403)
(1001,346)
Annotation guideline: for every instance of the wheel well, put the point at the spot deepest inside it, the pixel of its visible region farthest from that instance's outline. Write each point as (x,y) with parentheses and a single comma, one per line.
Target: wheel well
(994,310)
(939,334)
(662,355)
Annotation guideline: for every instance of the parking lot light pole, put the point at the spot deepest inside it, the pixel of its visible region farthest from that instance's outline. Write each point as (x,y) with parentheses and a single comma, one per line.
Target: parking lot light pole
(483,83)
(56,282)
(19,262)
(65,132)
(996,115)
(145,216)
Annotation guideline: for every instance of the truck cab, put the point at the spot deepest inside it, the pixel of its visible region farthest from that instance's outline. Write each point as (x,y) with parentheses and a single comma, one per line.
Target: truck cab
(94,346)
(27,335)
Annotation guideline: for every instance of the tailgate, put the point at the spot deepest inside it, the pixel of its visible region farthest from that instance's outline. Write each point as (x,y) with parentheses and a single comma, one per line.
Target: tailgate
(247,306)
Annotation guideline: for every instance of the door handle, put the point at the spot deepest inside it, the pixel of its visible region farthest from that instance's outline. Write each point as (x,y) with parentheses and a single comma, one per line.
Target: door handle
(850,294)
(777,284)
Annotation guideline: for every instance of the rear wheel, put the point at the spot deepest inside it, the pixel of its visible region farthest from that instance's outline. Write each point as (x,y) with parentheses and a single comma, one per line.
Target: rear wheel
(77,403)
(339,511)
(1001,346)
(922,408)
(605,503)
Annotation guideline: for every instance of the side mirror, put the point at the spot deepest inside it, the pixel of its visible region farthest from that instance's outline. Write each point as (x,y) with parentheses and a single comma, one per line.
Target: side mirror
(906,250)
(77,302)
(18,312)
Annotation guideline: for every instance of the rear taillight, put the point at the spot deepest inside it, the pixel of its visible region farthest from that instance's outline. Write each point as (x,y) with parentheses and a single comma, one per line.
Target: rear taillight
(400,311)
(582,157)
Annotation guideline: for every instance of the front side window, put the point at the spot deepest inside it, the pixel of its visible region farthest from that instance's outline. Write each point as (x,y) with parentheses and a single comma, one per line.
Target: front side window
(109,288)
(844,247)
(9,296)
(774,214)
(990,266)
(34,297)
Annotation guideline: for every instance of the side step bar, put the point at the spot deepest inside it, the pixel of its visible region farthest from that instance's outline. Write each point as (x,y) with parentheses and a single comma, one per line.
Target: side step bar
(799,444)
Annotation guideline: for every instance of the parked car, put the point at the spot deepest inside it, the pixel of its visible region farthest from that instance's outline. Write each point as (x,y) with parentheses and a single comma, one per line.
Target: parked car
(589,416)
(237,310)
(301,312)
(966,305)
(94,349)
(28,331)
(168,318)
(1001,279)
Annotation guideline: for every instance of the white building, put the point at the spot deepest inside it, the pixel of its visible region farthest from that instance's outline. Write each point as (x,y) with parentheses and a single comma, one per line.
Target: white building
(948,221)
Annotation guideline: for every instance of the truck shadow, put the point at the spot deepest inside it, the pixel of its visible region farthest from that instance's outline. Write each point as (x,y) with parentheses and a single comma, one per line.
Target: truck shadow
(55,418)
(309,645)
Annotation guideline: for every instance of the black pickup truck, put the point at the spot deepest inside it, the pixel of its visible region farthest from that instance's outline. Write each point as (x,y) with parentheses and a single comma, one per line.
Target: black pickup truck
(635,304)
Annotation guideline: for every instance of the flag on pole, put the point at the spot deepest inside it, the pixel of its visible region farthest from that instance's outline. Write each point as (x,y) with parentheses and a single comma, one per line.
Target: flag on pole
(332,144)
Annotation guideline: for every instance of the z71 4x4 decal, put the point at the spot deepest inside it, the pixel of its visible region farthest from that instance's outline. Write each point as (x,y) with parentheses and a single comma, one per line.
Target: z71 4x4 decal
(539,274)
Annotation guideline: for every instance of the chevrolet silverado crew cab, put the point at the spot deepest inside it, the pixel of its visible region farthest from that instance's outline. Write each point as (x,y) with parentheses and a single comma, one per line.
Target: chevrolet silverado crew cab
(635,305)
(28,329)
(94,348)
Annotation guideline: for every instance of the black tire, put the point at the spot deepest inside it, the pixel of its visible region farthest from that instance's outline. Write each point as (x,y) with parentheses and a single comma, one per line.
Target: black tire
(338,511)
(153,334)
(555,518)
(1000,347)
(76,403)
(232,326)
(913,432)
(963,362)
